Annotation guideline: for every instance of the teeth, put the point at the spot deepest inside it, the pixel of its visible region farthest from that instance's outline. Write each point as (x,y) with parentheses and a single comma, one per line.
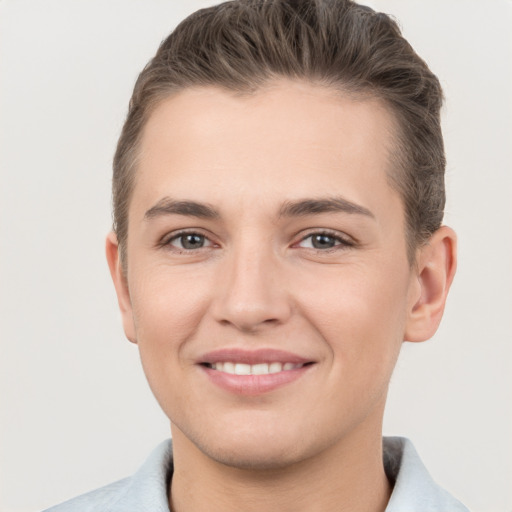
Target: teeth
(253,369)
(275,367)
(226,367)
(242,369)
(259,369)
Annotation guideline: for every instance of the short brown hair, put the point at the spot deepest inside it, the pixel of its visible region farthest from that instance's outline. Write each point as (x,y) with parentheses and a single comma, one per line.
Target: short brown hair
(243,44)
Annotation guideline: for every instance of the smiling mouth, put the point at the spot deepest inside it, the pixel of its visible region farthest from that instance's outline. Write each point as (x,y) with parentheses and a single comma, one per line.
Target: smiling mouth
(233,368)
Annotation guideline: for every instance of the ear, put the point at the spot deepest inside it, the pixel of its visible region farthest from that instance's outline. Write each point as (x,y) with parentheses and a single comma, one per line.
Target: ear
(121,286)
(435,268)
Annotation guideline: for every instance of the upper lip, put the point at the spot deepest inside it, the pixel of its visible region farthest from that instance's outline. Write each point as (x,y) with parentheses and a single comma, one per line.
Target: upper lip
(263,355)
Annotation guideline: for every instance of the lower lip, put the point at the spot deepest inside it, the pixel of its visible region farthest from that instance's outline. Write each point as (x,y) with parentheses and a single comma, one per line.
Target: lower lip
(254,384)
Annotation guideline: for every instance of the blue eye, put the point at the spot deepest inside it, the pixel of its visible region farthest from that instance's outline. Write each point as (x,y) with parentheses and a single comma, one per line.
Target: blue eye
(322,241)
(189,241)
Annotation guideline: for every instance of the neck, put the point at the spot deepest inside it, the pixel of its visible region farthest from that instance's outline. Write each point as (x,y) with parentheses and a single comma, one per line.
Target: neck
(346,477)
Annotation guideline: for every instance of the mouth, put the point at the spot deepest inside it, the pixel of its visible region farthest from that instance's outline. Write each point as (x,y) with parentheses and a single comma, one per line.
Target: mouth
(245,372)
(268,368)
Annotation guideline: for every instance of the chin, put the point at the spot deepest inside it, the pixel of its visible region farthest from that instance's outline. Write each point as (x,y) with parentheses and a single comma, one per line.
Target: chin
(256,447)
(267,456)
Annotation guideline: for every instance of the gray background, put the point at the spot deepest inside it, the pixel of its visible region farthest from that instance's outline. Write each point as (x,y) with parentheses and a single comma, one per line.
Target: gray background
(76,412)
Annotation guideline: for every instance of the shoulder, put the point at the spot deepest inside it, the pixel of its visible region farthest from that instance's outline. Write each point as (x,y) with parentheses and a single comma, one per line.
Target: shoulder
(98,500)
(414,489)
(145,491)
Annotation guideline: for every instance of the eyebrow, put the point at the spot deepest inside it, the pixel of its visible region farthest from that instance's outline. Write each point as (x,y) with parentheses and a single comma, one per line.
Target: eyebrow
(168,206)
(300,208)
(315,206)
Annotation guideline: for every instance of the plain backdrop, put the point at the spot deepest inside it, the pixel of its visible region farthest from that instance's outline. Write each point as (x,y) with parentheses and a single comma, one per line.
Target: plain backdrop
(76,412)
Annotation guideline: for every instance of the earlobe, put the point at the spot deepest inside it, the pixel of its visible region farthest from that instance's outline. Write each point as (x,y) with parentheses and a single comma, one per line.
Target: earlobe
(436,265)
(121,285)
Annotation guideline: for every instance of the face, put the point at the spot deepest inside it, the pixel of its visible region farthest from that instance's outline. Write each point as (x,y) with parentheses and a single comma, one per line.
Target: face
(267,283)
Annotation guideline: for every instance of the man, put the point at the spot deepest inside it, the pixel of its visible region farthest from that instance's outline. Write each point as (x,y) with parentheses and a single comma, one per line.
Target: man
(278,197)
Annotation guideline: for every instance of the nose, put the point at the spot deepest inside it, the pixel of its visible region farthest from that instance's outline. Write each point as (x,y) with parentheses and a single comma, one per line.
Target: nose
(251,292)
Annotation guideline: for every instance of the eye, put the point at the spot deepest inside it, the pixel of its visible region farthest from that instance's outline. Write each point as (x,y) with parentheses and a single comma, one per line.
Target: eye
(322,241)
(189,241)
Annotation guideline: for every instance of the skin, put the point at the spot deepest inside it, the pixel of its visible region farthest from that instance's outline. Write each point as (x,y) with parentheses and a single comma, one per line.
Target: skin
(258,282)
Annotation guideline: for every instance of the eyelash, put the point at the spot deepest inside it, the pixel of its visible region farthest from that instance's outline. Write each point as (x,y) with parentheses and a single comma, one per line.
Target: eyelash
(341,242)
(166,242)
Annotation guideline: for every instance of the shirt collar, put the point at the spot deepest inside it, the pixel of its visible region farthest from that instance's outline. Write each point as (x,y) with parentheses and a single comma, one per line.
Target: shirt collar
(414,490)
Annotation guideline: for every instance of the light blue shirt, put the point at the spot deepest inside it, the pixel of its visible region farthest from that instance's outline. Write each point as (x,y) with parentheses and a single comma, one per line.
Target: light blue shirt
(146,491)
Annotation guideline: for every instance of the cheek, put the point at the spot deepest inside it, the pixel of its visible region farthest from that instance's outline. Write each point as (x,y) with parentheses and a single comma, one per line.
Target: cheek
(167,302)
(360,313)
(168,306)
(167,309)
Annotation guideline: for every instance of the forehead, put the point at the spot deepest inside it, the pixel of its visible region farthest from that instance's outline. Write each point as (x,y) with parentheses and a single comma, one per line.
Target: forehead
(289,139)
